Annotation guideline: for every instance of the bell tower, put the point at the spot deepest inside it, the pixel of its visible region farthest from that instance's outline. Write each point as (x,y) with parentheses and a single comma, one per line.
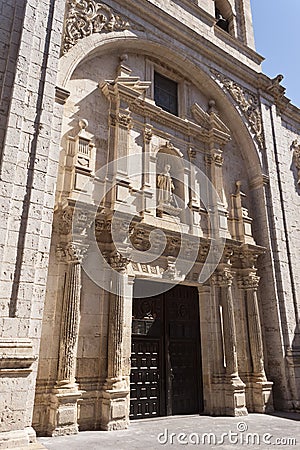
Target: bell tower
(219,22)
(233,17)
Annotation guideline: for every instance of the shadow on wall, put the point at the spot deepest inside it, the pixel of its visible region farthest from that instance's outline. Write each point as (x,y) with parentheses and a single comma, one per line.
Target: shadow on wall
(293,362)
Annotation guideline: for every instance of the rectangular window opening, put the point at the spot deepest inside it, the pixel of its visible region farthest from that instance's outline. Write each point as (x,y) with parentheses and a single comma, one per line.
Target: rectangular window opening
(166,93)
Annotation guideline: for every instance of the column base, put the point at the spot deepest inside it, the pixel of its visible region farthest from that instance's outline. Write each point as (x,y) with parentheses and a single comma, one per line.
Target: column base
(115,410)
(18,438)
(235,397)
(228,397)
(259,396)
(64,411)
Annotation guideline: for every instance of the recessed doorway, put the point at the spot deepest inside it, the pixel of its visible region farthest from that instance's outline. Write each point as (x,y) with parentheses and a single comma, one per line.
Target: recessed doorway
(166,375)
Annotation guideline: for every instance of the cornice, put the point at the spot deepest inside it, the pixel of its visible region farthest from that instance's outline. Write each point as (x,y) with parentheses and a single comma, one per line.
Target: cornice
(220,59)
(191,38)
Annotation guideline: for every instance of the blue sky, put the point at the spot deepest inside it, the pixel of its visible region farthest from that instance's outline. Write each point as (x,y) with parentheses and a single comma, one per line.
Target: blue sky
(277,37)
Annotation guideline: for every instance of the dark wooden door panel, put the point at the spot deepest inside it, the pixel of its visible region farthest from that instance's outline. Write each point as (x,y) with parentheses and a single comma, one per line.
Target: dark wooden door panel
(144,379)
(184,383)
(165,361)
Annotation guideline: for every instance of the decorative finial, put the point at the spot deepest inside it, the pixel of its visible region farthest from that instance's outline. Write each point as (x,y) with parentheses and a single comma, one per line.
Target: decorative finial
(83,124)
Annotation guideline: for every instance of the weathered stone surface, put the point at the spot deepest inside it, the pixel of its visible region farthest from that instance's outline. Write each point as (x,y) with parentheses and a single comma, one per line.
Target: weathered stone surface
(77,86)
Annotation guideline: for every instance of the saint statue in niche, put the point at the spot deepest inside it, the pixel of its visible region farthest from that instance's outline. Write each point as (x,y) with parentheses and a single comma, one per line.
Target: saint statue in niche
(165,187)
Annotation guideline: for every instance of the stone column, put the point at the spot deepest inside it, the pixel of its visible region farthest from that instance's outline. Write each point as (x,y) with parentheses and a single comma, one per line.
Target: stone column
(211,350)
(63,408)
(259,390)
(115,409)
(234,388)
(148,206)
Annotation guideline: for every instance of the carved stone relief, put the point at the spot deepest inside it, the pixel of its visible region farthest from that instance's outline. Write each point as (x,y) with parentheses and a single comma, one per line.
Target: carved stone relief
(296,158)
(85,17)
(247,102)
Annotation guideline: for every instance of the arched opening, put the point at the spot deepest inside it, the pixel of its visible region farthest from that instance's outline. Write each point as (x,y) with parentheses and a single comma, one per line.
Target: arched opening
(224,16)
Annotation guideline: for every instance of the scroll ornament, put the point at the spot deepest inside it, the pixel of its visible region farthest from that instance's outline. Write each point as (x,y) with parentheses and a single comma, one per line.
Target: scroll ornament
(85,17)
(247,102)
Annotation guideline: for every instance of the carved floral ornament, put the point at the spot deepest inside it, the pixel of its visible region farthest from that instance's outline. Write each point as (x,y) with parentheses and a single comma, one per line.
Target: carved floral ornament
(70,252)
(247,102)
(86,17)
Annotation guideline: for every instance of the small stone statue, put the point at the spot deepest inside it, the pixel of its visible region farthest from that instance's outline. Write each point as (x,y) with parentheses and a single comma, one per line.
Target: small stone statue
(296,158)
(165,187)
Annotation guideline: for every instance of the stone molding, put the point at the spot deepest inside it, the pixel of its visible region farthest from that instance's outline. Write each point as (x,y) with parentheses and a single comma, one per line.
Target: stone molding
(16,356)
(247,102)
(61,95)
(85,17)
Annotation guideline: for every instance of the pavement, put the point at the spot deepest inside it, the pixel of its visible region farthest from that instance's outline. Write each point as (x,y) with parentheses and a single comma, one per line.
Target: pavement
(255,432)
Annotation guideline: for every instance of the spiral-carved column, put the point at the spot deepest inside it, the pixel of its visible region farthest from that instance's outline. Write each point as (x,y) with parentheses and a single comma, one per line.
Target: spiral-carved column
(259,390)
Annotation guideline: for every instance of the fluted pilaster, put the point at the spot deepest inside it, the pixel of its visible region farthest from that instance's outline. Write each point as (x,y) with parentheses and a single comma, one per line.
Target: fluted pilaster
(69,327)
(260,389)
(233,388)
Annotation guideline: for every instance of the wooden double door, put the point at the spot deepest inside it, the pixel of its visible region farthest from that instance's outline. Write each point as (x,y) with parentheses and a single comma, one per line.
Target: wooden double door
(166,375)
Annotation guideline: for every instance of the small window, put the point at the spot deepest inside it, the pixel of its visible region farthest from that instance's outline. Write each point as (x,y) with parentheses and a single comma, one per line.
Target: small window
(166,93)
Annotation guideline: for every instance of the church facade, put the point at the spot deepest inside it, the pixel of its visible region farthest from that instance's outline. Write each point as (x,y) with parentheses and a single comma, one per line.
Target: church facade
(150,195)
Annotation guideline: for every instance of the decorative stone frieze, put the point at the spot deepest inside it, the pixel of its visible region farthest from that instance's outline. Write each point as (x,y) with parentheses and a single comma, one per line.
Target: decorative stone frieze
(85,17)
(247,101)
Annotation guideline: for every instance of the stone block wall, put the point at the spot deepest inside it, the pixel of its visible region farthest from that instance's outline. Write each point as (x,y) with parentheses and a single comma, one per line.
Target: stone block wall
(11,17)
(29,160)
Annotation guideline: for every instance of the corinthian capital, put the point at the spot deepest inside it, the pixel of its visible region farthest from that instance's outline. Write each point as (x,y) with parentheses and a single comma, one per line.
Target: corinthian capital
(222,277)
(70,252)
(117,260)
(249,281)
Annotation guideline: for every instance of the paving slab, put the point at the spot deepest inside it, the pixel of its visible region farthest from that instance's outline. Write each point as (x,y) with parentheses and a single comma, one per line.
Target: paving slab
(255,432)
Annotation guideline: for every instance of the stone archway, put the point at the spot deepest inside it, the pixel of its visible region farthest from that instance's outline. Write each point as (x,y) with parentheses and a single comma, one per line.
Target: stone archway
(121,94)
